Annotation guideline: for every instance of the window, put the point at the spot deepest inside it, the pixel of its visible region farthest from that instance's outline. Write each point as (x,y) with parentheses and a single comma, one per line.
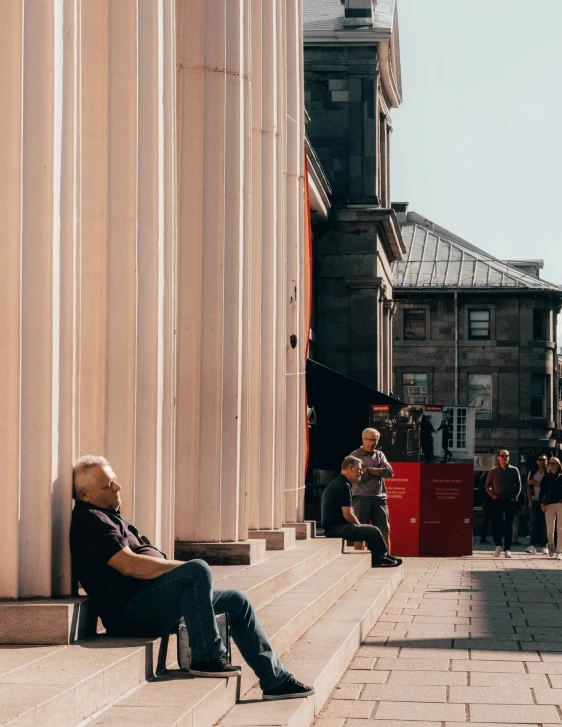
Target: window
(414,324)
(540,320)
(414,388)
(480,394)
(540,396)
(479,325)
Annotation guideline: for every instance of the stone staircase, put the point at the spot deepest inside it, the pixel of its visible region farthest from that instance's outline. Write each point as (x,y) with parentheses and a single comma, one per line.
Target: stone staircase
(315,604)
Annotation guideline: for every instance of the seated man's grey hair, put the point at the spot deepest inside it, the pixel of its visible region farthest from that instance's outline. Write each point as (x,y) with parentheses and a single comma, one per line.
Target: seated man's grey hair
(350,462)
(81,473)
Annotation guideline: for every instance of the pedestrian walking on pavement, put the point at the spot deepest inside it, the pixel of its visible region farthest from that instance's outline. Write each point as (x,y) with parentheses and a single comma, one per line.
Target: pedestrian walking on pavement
(503,485)
(550,498)
(538,523)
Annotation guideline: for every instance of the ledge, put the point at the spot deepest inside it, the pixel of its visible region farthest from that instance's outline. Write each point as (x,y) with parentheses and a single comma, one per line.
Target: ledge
(46,622)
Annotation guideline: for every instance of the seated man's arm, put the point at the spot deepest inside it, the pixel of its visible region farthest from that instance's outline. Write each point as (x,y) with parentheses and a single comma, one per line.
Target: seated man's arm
(349,515)
(143,567)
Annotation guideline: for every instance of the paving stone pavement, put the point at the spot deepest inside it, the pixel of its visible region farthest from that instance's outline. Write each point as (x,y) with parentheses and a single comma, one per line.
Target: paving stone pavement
(475,640)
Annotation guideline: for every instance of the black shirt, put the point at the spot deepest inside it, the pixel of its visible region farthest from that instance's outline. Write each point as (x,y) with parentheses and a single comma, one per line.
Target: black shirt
(334,497)
(96,535)
(551,489)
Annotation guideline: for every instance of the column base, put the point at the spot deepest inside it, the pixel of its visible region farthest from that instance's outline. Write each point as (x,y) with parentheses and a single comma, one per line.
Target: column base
(46,621)
(246,552)
(303,531)
(280,539)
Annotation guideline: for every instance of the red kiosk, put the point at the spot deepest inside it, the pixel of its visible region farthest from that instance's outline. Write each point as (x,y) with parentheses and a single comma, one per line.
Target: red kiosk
(430,502)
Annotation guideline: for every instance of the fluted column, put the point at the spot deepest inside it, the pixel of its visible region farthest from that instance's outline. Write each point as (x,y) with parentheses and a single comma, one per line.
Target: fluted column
(295,343)
(250,385)
(269,276)
(92,209)
(120,413)
(10,302)
(39,288)
(253,276)
(281,341)
(210,269)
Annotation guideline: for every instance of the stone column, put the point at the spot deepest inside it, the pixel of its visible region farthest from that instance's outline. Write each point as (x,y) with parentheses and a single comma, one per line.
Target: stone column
(249,412)
(253,278)
(210,267)
(296,332)
(120,413)
(39,301)
(365,327)
(10,301)
(150,268)
(281,343)
(269,276)
(92,211)
(387,347)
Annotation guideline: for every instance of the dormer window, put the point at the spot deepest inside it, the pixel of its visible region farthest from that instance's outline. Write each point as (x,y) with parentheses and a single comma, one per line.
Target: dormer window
(358,12)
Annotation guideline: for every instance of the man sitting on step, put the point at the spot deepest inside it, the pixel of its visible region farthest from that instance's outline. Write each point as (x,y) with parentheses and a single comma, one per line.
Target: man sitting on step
(138,592)
(339,520)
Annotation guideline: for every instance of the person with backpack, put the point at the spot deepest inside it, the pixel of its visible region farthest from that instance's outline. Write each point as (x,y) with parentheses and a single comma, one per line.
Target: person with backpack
(550,499)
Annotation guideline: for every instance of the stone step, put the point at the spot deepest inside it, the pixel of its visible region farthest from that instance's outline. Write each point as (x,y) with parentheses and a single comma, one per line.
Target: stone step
(63,685)
(285,620)
(62,621)
(321,657)
(284,569)
(37,682)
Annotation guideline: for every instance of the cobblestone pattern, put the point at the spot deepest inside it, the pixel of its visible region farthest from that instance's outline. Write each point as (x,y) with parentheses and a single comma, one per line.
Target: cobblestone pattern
(473,640)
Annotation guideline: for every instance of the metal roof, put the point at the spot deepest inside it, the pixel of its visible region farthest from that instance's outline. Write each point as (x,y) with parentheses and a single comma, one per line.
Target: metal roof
(437,258)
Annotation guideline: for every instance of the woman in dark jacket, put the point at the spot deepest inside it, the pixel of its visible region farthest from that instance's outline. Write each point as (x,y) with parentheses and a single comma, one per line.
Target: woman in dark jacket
(550,499)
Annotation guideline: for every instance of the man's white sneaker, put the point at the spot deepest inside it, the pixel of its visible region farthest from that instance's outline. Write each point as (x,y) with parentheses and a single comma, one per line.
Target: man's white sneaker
(558,556)
(507,554)
(531,549)
(545,550)
(497,551)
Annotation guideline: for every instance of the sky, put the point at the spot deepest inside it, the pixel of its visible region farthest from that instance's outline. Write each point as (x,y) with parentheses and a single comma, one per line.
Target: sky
(477,142)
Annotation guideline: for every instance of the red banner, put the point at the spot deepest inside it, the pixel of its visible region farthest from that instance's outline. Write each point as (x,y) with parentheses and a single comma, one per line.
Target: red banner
(404,507)
(446,509)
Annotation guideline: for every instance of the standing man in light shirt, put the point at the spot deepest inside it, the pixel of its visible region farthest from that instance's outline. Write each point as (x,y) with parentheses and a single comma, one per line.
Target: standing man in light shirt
(369,493)
(503,485)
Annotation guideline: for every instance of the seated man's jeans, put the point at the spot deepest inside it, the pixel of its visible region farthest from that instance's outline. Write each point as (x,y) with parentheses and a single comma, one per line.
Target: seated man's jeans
(359,533)
(188,591)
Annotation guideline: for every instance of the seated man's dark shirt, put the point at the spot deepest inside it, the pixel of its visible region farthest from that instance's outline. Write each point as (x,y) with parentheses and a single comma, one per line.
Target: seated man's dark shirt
(96,535)
(336,495)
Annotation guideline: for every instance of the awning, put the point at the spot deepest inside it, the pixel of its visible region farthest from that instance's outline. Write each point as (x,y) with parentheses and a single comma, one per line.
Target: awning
(341,412)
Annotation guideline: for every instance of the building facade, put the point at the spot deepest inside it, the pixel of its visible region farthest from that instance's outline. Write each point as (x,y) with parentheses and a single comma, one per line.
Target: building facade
(475,331)
(154,296)
(352,81)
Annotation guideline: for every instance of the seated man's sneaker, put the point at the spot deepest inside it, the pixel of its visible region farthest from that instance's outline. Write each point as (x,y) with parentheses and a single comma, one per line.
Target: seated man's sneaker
(385,561)
(398,560)
(531,549)
(213,668)
(289,689)
(507,554)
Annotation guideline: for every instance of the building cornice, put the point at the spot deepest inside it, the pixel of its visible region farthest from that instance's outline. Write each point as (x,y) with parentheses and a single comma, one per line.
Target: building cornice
(385,221)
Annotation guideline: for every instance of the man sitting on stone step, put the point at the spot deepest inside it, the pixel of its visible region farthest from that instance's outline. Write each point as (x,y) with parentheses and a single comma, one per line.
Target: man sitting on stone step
(138,592)
(339,520)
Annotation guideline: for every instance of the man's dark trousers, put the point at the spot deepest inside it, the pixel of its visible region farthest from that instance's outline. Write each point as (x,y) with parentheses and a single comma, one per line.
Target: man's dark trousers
(502,510)
(358,534)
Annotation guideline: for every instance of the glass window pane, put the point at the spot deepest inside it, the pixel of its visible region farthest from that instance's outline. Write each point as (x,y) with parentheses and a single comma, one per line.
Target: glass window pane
(480,394)
(478,323)
(414,324)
